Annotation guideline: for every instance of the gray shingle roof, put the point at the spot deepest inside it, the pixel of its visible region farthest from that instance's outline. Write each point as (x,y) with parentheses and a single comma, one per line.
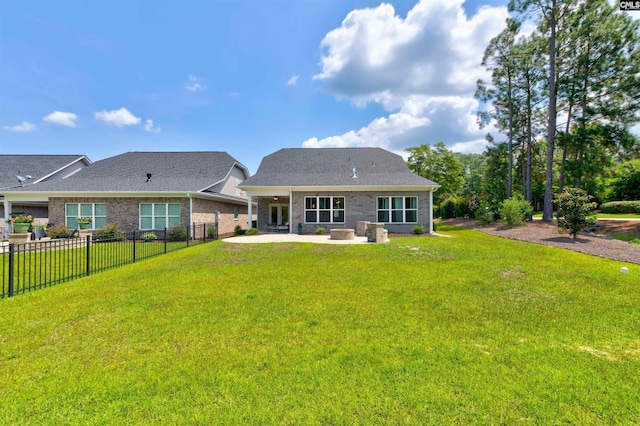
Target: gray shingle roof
(170,172)
(334,167)
(36,166)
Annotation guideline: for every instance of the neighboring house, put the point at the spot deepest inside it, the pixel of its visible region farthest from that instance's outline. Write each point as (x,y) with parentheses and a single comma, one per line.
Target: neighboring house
(307,188)
(146,190)
(26,170)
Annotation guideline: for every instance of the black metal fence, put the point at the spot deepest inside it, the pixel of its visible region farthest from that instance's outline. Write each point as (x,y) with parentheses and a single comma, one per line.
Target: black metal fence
(37,264)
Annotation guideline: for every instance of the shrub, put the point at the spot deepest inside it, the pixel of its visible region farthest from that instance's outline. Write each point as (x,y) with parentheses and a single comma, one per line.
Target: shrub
(177,234)
(238,230)
(212,232)
(320,231)
(252,231)
(448,209)
(435,227)
(486,214)
(59,231)
(575,210)
(515,211)
(620,207)
(472,204)
(111,231)
(418,229)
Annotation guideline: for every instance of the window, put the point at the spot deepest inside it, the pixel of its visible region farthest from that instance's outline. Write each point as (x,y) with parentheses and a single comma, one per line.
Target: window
(159,215)
(398,209)
(235,213)
(324,209)
(97,212)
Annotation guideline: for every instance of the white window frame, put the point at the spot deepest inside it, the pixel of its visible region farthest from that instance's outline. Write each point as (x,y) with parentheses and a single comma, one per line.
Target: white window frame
(153,216)
(331,209)
(93,214)
(390,209)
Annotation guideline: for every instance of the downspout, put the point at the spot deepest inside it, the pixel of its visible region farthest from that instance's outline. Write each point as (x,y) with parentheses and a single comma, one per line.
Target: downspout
(7,226)
(431,211)
(190,216)
(290,211)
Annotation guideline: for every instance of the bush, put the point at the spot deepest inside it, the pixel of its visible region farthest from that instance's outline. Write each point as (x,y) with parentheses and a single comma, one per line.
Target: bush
(111,231)
(418,229)
(177,234)
(621,207)
(486,214)
(60,231)
(515,211)
(472,204)
(212,232)
(448,209)
(575,210)
(252,231)
(238,230)
(320,231)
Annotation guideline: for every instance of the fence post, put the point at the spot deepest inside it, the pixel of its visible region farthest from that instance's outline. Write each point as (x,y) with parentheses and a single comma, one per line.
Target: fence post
(204,232)
(165,240)
(88,254)
(134,245)
(188,233)
(12,252)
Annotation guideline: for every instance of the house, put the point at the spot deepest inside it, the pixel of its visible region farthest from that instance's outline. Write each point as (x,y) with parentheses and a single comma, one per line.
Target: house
(145,190)
(307,188)
(26,170)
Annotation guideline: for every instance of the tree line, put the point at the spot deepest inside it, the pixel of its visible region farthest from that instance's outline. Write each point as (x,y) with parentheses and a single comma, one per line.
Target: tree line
(565,95)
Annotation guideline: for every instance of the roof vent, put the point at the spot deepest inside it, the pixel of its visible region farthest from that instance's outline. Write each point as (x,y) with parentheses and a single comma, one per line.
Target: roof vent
(148,177)
(22,179)
(354,173)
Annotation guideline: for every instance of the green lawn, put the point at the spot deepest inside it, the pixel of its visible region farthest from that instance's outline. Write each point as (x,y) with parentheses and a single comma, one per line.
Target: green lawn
(471,329)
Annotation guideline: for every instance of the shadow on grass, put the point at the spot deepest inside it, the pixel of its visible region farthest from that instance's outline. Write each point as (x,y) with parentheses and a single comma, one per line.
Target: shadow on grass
(565,240)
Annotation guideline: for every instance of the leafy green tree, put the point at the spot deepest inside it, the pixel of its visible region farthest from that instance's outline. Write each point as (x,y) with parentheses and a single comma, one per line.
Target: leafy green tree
(495,175)
(625,186)
(438,164)
(575,210)
(472,171)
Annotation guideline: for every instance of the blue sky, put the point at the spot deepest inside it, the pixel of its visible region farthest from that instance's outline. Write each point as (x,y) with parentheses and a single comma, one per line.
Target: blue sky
(246,77)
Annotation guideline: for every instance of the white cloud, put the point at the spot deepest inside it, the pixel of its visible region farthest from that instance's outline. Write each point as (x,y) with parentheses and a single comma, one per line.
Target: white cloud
(22,127)
(62,118)
(422,69)
(150,127)
(194,84)
(117,118)
(293,80)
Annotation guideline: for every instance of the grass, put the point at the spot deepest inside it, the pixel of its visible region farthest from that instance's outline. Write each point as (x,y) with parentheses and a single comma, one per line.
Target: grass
(630,237)
(424,330)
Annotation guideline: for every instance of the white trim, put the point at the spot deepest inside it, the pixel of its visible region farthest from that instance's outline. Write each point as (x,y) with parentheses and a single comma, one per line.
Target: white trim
(82,157)
(282,190)
(390,210)
(330,209)
(153,215)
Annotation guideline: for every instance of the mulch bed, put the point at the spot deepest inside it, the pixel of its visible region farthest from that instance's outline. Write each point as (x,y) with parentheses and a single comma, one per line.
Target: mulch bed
(593,243)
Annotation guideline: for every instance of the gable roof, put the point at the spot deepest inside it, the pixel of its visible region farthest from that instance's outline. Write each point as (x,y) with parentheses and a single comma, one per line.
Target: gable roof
(305,167)
(39,167)
(170,172)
